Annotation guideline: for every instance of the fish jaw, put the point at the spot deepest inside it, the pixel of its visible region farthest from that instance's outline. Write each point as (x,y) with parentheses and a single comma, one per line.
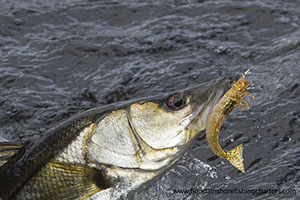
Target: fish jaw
(196,122)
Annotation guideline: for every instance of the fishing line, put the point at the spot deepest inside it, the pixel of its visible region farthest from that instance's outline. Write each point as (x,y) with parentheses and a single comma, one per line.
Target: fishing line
(218,37)
(206,22)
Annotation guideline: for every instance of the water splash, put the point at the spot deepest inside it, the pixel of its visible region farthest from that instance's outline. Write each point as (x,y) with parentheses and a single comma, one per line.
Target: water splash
(188,173)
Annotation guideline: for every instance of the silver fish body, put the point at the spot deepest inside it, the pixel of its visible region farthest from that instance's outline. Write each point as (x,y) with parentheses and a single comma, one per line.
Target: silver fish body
(107,152)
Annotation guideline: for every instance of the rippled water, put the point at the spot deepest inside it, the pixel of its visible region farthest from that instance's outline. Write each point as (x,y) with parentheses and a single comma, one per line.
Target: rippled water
(58,58)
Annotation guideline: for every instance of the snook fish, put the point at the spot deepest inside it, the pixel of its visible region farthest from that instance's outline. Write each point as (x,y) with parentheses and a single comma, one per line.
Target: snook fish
(233,98)
(107,152)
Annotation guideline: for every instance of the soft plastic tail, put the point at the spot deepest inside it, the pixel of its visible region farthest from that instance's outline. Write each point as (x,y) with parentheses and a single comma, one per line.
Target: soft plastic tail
(235,157)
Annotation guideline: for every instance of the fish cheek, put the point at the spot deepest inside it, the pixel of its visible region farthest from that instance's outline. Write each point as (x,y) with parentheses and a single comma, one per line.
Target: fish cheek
(113,142)
(157,127)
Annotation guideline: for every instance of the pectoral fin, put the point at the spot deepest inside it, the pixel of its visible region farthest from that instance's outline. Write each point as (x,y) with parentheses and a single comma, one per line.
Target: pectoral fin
(7,150)
(64,181)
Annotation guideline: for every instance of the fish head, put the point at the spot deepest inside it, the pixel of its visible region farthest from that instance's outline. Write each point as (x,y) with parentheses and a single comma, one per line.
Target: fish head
(176,119)
(152,133)
(140,139)
(165,127)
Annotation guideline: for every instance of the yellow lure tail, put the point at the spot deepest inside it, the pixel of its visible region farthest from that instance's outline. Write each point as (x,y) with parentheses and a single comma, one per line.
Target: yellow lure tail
(235,157)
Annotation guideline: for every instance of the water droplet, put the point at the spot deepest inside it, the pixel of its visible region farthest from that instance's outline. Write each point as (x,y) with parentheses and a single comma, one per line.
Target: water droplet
(227,177)
(213,174)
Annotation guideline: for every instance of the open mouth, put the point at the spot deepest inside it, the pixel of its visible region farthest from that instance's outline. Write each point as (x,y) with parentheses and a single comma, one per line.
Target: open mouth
(197,119)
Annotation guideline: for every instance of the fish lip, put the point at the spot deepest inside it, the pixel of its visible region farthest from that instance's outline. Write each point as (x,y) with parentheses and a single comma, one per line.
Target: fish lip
(218,91)
(203,110)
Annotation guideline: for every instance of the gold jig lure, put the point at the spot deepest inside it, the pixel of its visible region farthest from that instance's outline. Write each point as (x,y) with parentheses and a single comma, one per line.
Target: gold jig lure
(233,98)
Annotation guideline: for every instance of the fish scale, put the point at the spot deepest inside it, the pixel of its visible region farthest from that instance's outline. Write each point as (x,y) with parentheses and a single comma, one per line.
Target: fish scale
(29,161)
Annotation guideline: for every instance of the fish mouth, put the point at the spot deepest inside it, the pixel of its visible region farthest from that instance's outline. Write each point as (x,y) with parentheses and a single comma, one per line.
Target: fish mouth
(217,93)
(212,93)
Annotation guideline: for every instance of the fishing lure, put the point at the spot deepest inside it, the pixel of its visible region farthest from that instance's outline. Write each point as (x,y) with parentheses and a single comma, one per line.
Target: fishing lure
(233,98)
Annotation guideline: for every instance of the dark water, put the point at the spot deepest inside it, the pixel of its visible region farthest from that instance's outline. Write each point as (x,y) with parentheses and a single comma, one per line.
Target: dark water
(58,58)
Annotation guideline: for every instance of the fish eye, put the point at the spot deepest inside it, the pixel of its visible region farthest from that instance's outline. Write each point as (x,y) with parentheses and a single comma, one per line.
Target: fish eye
(176,102)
